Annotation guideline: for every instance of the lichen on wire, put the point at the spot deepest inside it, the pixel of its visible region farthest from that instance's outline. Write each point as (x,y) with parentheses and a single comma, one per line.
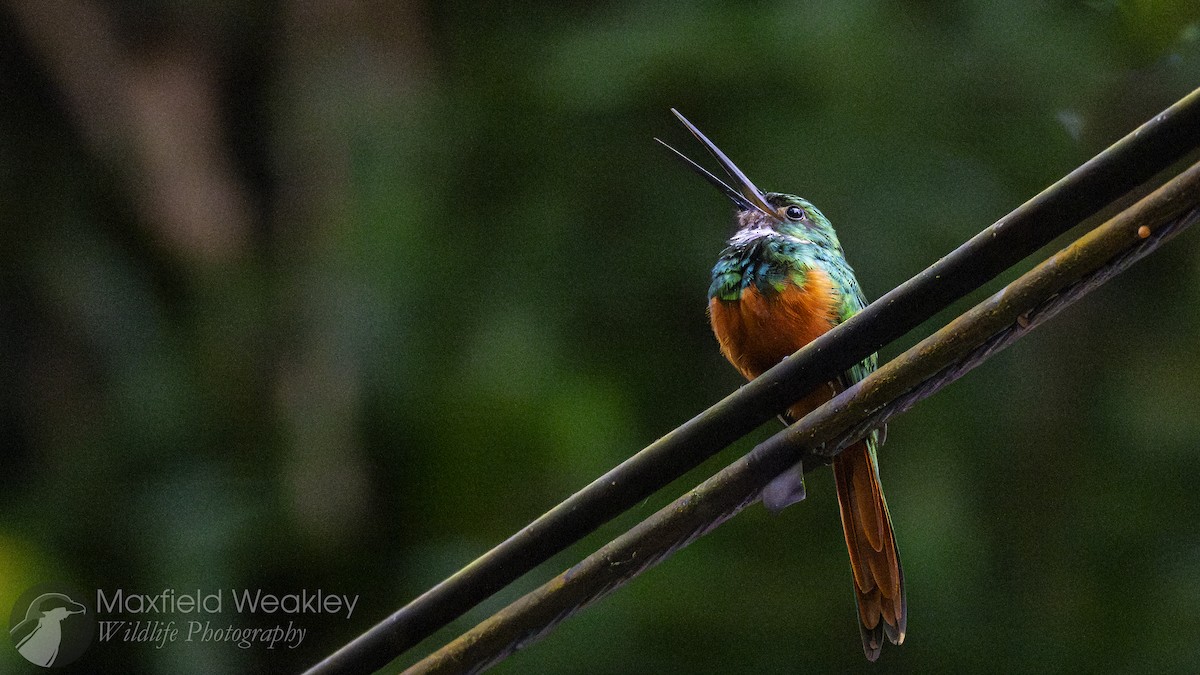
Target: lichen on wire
(1024,324)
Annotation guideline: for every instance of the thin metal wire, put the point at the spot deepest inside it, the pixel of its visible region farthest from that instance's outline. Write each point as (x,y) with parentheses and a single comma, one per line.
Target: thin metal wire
(1032,319)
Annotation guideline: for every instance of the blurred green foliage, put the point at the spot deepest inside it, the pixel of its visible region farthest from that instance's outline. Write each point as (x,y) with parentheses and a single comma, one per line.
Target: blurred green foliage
(339,295)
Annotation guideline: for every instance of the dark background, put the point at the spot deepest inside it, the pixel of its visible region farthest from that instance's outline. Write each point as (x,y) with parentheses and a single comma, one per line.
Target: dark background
(337,295)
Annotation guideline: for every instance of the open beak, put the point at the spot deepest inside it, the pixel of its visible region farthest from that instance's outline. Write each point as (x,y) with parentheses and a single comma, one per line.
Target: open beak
(747,196)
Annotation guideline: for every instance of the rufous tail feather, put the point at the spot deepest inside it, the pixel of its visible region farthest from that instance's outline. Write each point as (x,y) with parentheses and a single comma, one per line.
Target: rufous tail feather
(878,577)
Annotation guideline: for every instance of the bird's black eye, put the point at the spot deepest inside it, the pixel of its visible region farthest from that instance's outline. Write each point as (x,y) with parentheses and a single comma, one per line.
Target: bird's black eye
(794,213)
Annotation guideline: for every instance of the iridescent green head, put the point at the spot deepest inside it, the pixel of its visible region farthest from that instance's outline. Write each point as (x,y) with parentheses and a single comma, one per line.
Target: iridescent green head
(759,213)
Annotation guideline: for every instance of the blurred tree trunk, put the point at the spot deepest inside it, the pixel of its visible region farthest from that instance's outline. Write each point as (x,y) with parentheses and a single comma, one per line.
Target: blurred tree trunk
(152,114)
(348,69)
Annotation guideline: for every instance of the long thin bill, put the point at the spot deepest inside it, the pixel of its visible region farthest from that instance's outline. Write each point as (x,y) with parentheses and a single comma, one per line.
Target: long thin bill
(735,196)
(748,189)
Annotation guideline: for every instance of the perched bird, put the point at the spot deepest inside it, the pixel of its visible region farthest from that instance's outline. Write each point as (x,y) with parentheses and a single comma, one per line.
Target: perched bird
(781,282)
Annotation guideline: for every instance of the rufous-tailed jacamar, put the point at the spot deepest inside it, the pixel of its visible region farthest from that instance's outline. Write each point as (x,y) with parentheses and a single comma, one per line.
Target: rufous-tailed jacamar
(781,282)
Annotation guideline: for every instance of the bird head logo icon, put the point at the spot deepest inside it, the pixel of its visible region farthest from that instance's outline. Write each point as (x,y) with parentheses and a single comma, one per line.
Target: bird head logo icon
(39,637)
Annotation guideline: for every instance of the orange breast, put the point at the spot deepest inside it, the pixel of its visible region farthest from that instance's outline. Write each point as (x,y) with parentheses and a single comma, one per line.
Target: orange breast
(757,331)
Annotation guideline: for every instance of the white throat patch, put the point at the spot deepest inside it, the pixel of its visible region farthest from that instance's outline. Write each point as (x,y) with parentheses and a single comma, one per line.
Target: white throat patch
(745,236)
